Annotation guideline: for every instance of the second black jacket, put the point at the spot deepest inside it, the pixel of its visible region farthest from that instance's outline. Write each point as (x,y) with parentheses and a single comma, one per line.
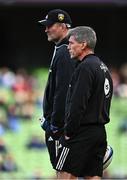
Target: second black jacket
(89,95)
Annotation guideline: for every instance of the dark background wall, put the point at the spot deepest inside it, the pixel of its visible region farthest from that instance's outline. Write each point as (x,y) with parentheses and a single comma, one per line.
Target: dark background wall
(23,42)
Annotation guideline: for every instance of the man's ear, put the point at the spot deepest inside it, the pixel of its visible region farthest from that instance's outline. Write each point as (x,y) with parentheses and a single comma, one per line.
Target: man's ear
(63,25)
(84,44)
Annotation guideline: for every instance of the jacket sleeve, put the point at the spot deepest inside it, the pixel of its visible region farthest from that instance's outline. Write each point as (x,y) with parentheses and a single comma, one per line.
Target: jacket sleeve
(62,78)
(79,100)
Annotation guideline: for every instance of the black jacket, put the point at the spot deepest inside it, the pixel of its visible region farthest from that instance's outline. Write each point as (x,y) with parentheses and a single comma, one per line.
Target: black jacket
(89,95)
(60,72)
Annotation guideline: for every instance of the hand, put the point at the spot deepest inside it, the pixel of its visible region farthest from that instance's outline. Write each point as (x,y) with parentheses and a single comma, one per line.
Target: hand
(44,124)
(54,129)
(66,137)
(56,132)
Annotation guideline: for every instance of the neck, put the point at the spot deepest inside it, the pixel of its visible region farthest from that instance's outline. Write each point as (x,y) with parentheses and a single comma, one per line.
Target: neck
(64,35)
(85,53)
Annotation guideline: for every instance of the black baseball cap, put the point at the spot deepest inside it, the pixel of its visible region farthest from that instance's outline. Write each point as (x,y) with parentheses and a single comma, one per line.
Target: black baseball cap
(56,15)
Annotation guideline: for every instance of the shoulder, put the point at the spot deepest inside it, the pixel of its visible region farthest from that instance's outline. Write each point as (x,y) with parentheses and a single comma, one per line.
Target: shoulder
(89,65)
(62,54)
(92,62)
(62,48)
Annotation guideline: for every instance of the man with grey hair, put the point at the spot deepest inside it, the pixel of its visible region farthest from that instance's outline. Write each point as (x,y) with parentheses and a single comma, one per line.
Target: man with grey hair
(88,102)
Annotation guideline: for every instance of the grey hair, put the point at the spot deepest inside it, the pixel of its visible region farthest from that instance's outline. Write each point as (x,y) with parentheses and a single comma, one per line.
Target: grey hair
(84,34)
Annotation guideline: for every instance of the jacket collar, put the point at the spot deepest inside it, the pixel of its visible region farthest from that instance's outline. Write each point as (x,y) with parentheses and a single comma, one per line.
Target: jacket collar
(62,42)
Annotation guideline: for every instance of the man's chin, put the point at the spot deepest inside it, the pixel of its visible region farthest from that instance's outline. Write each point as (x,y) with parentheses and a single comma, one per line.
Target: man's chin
(72,57)
(52,40)
(49,39)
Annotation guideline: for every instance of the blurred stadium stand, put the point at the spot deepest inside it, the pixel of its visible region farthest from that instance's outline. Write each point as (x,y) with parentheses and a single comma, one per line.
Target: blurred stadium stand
(23,42)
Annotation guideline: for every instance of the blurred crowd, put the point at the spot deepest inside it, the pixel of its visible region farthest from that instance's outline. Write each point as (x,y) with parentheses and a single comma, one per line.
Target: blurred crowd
(18,99)
(18,96)
(7,162)
(119,76)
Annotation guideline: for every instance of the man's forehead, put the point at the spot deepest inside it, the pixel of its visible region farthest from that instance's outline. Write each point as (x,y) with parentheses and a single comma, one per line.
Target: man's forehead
(53,25)
(72,38)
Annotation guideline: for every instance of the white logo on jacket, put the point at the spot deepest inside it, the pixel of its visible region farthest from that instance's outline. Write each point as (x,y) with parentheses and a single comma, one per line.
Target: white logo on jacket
(106,87)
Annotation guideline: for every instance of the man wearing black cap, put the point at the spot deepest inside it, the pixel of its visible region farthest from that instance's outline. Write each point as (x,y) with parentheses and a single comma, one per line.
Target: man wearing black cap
(57,23)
